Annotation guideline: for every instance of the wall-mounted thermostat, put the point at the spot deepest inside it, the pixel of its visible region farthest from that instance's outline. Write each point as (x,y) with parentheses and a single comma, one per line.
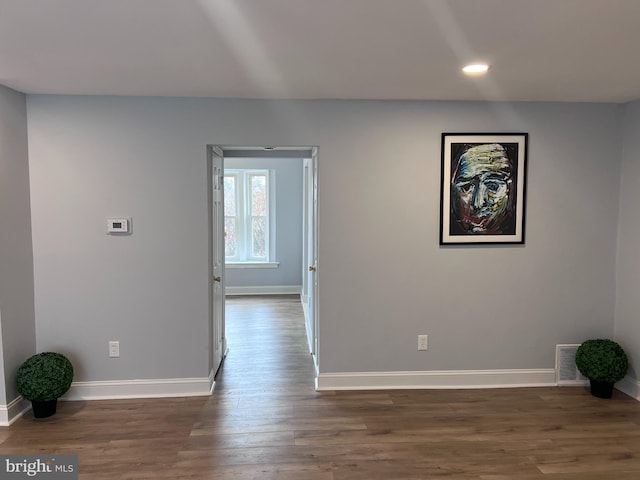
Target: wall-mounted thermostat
(117,225)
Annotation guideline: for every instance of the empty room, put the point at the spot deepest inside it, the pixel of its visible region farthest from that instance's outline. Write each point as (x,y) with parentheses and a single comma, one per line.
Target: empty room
(199,264)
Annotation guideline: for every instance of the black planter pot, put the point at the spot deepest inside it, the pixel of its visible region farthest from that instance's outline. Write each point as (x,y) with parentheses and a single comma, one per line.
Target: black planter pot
(601,389)
(44,409)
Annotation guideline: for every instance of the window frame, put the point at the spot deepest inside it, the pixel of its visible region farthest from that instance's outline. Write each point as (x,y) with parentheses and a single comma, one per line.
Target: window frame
(244,257)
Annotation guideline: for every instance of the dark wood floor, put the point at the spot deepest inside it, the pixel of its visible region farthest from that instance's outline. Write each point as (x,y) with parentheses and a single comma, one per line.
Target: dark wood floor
(265,421)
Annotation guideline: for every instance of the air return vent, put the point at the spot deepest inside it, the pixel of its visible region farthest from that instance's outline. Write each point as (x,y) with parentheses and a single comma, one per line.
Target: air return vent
(566,371)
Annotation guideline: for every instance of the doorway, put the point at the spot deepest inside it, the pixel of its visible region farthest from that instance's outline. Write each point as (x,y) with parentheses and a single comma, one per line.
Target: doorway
(228,232)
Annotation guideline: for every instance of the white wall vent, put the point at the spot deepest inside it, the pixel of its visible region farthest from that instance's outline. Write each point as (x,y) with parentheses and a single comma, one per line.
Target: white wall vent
(566,371)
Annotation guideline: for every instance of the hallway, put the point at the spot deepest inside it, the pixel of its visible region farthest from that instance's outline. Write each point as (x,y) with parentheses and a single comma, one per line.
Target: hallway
(267,347)
(247,429)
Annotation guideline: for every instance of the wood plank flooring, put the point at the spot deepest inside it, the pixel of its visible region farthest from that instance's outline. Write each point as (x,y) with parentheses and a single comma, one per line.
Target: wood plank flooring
(265,421)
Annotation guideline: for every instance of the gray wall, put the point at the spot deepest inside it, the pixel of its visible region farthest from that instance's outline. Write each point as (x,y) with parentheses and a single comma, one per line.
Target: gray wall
(627,325)
(16,259)
(383,278)
(288,200)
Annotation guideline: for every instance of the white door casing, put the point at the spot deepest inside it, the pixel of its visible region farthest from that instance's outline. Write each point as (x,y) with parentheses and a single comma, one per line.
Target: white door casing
(313,304)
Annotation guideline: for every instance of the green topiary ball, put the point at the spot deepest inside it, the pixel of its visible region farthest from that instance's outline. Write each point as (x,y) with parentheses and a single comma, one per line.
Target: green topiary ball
(602,360)
(45,376)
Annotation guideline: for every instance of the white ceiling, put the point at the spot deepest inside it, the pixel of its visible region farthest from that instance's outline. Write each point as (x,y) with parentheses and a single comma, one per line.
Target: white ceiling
(542,50)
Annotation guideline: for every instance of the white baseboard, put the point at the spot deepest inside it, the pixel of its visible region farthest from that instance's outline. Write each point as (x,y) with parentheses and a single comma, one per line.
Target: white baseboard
(265,290)
(436,379)
(630,386)
(305,312)
(212,381)
(155,388)
(13,411)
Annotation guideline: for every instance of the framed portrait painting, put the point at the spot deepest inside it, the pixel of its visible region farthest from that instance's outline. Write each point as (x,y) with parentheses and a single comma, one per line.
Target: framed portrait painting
(482,191)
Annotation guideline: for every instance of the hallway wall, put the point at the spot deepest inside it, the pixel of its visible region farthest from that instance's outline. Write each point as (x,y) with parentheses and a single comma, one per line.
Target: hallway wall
(383,278)
(17,321)
(627,325)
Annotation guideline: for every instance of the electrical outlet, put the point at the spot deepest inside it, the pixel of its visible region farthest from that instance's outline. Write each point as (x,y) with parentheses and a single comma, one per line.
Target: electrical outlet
(114,349)
(423,342)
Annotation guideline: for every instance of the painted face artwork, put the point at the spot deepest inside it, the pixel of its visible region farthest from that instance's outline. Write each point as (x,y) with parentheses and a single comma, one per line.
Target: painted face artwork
(482,192)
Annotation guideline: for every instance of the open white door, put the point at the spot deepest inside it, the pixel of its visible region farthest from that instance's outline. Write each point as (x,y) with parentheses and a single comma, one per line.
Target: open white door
(310,249)
(216,280)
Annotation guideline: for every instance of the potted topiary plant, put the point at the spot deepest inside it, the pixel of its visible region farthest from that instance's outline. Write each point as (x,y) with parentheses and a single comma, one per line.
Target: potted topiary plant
(603,362)
(42,379)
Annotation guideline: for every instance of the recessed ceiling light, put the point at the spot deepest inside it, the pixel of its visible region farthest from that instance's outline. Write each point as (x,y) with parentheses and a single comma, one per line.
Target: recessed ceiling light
(475,68)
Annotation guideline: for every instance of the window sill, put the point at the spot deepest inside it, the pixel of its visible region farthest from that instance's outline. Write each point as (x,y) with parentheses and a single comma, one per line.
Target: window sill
(252,265)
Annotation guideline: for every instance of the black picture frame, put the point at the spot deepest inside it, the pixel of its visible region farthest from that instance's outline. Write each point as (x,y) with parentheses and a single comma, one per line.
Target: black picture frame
(483,188)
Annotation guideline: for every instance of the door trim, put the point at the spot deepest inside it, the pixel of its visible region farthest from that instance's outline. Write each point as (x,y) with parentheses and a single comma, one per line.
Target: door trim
(230,151)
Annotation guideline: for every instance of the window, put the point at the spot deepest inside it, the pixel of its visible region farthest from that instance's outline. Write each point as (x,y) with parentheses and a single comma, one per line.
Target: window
(247,218)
